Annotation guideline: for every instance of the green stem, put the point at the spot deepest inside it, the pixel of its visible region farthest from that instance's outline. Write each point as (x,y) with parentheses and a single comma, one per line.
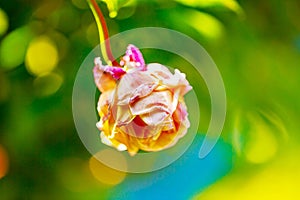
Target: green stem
(103,33)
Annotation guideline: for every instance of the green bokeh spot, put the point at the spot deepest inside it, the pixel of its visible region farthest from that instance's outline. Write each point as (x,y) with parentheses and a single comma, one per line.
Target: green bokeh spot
(13,48)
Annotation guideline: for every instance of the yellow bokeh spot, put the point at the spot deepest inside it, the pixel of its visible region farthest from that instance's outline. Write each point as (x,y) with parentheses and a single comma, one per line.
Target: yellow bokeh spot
(3,162)
(41,56)
(92,34)
(3,22)
(105,174)
(47,84)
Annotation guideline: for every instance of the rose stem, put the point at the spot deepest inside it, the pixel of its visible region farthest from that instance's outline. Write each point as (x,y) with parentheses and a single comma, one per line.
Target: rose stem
(103,33)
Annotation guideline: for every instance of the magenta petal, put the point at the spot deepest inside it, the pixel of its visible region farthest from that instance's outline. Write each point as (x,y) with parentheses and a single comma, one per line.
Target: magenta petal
(136,56)
(116,72)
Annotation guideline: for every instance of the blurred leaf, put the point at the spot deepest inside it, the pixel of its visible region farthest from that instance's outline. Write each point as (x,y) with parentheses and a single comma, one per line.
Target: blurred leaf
(208,26)
(229,4)
(257,134)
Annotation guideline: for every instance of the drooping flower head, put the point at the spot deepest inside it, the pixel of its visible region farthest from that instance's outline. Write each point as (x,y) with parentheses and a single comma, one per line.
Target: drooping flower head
(141,106)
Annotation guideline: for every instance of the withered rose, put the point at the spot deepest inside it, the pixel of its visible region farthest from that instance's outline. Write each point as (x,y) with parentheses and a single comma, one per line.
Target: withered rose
(141,107)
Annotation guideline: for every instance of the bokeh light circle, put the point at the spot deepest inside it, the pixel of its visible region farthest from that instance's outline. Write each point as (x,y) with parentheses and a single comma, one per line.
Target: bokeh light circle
(102,172)
(42,56)
(85,115)
(47,84)
(3,22)
(13,47)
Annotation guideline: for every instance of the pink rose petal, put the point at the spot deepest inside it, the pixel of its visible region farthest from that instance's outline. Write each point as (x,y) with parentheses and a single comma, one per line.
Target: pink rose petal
(136,56)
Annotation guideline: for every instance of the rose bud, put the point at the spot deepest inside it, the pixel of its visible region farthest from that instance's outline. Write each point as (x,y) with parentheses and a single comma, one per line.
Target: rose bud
(141,107)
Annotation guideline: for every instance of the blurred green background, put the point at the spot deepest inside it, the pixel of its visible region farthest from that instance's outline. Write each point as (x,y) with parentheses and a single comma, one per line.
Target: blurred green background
(256,46)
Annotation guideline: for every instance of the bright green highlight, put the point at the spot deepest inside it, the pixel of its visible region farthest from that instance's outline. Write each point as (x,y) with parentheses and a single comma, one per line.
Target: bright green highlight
(13,48)
(232,5)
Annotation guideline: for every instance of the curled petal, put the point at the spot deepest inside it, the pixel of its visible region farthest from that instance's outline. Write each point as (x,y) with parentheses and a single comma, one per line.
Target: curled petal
(142,91)
(116,72)
(155,101)
(155,118)
(133,58)
(183,84)
(159,71)
(136,56)
(162,73)
(105,76)
(103,81)
(129,83)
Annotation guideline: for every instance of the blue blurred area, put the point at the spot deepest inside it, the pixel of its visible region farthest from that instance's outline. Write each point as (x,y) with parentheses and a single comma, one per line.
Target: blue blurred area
(182,179)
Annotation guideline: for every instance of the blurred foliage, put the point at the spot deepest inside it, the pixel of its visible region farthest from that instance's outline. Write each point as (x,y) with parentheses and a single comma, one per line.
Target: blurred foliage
(255,44)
